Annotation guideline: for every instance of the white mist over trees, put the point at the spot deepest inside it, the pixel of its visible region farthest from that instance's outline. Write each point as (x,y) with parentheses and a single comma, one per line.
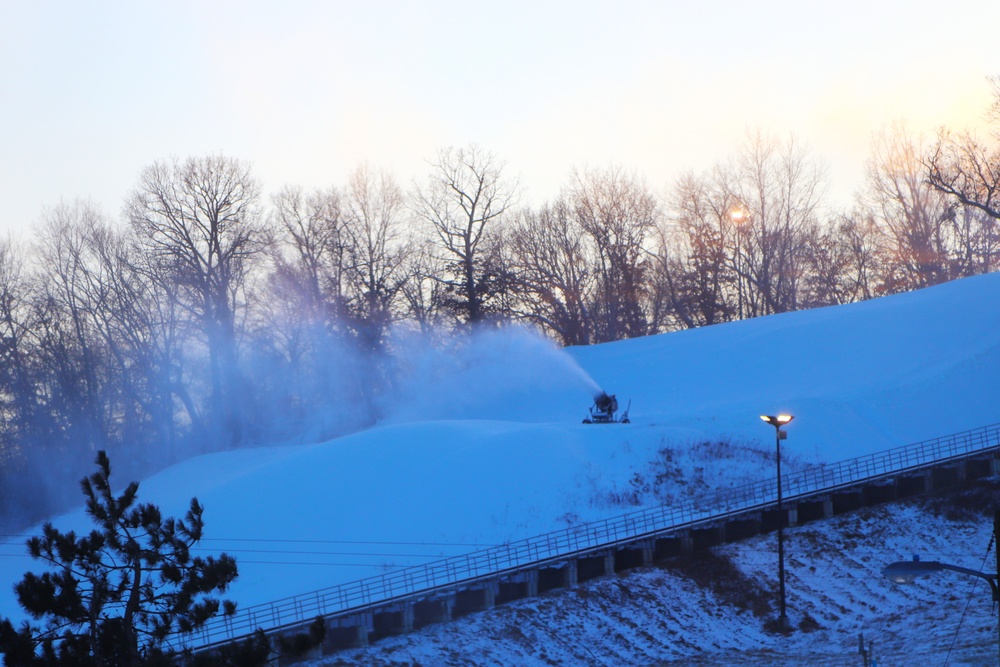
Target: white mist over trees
(208,318)
(198,225)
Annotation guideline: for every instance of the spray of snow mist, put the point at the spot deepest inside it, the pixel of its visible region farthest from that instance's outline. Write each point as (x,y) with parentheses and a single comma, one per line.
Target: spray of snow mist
(507,374)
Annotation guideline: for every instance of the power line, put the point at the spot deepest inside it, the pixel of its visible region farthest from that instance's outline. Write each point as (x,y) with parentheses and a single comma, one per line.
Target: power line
(362,542)
(285,552)
(968,602)
(242,561)
(422,544)
(374,565)
(289,552)
(321,553)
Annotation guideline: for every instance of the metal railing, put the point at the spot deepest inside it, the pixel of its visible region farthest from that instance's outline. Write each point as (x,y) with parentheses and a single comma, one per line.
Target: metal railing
(557,545)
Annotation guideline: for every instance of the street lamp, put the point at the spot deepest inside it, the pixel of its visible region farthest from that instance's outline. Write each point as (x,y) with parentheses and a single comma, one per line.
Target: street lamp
(777,421)
(905,571)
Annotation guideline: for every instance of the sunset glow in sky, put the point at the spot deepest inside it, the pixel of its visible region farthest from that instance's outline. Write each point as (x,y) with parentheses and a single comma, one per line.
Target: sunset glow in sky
(93,92)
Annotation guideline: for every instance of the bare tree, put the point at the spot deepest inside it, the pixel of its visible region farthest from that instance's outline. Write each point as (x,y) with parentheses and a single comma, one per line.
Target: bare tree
(306,317)
(698,252)
(140,324)
(16,404)
(961,166)
(110,337)
(617,212)
(375,217)
(465,198)
(338,271)
(312,258)
(827,258)
(22,441)
(968,170)
(975,238)
(913,215)
(71,294)
(423,292)
(861,251)
(779,186)
(200,220)
(552,263)
(994,110)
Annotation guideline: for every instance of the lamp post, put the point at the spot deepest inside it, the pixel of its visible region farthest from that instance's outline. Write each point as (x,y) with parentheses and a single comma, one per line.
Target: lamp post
(905,571)
(738,215)
(777,421)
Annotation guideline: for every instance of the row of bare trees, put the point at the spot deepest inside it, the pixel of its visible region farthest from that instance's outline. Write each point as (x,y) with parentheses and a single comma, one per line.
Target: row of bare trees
(208,317)
(750,237)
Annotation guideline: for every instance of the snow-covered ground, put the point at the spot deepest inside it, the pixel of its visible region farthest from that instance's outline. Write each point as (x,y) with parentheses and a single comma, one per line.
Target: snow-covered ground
(712,610)
(484,442)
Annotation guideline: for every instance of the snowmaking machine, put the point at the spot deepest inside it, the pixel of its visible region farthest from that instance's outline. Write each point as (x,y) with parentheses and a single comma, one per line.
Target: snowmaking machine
(604,409)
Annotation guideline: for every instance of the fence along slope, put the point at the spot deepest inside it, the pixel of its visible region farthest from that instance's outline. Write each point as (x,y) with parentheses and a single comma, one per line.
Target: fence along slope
(557,545)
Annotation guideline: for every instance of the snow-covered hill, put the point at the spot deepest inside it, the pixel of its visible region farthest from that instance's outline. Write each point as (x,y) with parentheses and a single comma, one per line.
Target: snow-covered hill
(484,442)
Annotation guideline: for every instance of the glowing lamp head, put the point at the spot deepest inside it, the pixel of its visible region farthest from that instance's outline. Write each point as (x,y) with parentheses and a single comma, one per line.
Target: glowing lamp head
(777,421)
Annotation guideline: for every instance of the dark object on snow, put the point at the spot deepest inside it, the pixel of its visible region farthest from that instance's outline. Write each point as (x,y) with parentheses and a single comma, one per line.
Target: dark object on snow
(605,407)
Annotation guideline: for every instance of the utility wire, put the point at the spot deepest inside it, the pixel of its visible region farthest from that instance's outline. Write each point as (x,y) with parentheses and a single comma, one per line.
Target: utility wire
(247,539)
(319,553)
(287,552)
(421,544)
(379,565)
(968,601)
(293,553)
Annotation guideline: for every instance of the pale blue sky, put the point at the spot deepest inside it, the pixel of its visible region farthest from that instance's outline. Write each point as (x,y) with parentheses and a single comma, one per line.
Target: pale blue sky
(94,91)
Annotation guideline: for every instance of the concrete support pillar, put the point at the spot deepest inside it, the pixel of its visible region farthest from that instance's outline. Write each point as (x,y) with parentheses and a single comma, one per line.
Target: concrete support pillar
(448,608)
(687,544)
(827,507)
(793,516)
(531,583)
(361,639)
(647,553)
(570,574)
(406,622)
(490,595)
(609,564)
(962,472)
(994,466)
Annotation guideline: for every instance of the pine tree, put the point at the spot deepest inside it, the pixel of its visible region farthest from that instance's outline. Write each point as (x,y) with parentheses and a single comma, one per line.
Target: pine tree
(114,596)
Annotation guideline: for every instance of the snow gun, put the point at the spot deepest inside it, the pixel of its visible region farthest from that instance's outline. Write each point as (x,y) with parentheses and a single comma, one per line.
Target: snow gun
(604,409)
